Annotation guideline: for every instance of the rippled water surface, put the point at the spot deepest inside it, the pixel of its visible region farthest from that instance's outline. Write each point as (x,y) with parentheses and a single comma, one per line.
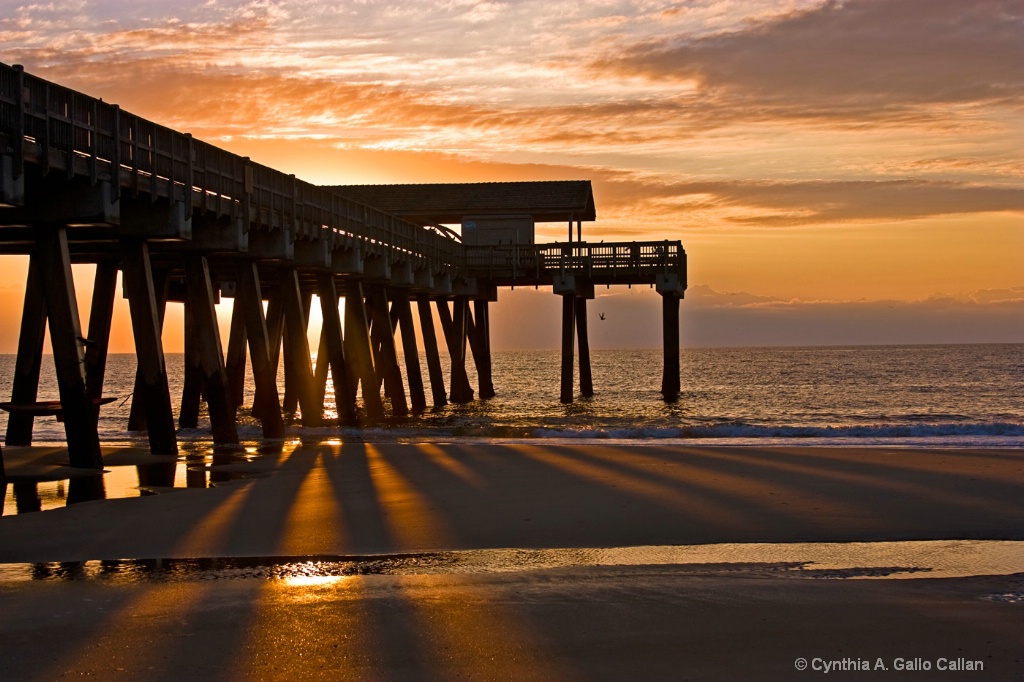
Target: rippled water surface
(970,395)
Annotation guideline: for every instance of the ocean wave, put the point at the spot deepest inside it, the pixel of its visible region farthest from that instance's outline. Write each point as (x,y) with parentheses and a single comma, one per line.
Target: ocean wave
(993,434)
(734,430)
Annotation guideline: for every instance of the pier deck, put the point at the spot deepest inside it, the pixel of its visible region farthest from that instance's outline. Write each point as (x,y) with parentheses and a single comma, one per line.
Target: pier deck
(83,181)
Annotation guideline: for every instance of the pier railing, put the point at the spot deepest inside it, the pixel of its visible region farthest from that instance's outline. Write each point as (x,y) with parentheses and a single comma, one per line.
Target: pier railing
(61,130)
(634,261)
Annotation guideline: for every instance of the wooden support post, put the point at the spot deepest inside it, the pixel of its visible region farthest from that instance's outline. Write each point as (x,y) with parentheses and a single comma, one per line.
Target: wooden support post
(670,320)
(249,299)
(332,352)
(235,362)
(262,400)
(157,282)
(417,397)
(454,326)
(437,391)
(350,325)
(583,345)
(80,413)
(295,384)
(298,365)
(210,352)
(568,332)
(322,368)
(388,367)
(192,381)
(101,314)
(375,347)
(479,331)
(30,357)
(357,350)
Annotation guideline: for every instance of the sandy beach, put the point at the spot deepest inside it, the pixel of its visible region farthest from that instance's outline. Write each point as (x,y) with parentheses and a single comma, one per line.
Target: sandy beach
(669,621)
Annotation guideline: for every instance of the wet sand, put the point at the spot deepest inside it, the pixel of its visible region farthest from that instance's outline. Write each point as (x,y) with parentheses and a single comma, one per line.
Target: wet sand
(660,622)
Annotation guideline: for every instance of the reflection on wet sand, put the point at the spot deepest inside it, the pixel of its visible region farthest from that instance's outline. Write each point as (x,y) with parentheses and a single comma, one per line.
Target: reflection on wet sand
(193,470)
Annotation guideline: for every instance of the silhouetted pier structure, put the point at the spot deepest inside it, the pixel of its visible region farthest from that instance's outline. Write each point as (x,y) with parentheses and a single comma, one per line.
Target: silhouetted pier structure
(82,181)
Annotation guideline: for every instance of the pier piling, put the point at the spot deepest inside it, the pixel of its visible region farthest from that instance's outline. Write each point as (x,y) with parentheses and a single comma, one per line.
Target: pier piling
(479,333)
(333,353)
(208,350)
(104,292)
(357,349)
(80,413)
(583,346)
(384,337)
(235,361)
(29,360)
(453,323)
(417,397)
(298,364)
(670,320)
(430,350)
(151,389)
(568,332)
(249,300)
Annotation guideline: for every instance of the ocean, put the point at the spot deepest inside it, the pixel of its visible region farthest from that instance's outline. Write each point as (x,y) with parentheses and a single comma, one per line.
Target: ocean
(941,395)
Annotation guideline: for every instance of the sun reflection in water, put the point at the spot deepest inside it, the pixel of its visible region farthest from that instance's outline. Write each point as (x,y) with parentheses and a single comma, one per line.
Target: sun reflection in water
(313,580)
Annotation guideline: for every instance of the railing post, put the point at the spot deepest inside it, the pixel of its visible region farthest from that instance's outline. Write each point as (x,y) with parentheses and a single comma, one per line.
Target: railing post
(188,179)
(69,153)
(44,139)
(115,154)
(93,129)
(19,124)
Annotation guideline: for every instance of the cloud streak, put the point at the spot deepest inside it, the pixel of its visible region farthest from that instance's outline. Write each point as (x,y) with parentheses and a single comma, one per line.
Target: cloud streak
(856,61)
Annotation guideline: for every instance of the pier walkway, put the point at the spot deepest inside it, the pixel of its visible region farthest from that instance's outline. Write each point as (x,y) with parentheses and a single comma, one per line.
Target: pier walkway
(82,181)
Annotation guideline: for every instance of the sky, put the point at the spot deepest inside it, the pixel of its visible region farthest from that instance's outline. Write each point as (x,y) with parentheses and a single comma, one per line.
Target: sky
(838,172)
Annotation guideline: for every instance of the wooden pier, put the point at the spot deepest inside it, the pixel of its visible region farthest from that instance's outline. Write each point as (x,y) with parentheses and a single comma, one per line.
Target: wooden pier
(82,181)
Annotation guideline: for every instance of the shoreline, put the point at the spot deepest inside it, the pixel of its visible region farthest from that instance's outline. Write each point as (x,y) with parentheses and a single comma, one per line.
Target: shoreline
(381,498)
(761,621)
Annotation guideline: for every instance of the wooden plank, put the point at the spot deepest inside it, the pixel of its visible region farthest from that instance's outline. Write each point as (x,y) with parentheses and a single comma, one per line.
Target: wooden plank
(30,356)
(206,338)
(47,408)
(583,345)
(334,351)
(249,300)
(430,350)
(80,415)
